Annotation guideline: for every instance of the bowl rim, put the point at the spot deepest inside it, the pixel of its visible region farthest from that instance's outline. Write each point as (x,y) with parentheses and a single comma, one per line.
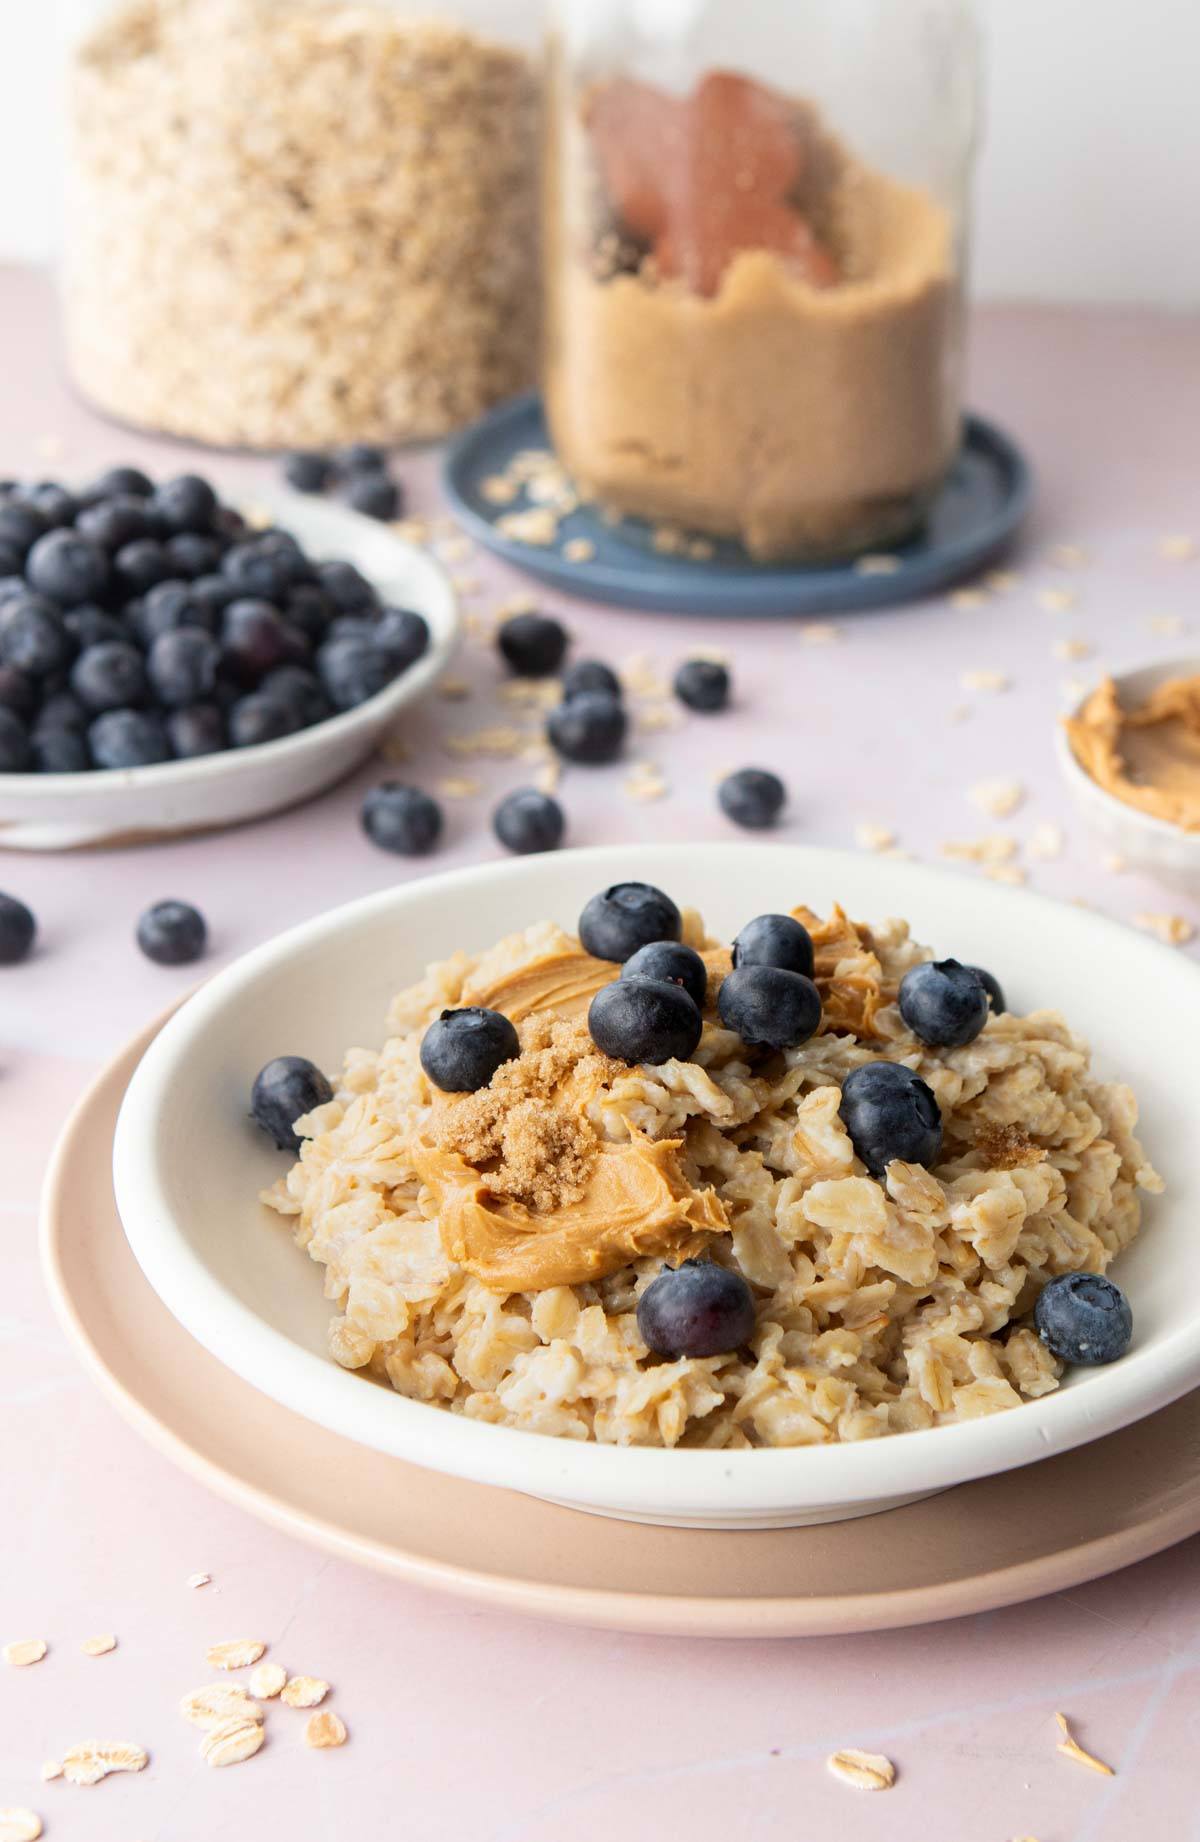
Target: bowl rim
(694,1480)
(412,681)
(1153,672)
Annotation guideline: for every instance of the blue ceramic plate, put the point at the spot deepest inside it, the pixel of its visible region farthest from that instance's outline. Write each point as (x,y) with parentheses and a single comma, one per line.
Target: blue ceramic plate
(984,500)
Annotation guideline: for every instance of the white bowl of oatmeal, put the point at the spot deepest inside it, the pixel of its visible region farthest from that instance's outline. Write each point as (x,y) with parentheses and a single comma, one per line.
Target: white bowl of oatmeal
(892,1355)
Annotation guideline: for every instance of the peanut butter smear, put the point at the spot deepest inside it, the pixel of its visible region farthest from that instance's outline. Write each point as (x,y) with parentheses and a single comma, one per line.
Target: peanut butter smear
(1149,756)
(847,973)
(562,982)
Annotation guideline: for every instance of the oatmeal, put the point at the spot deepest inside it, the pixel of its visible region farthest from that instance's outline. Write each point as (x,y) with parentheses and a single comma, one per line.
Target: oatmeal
(490,1250)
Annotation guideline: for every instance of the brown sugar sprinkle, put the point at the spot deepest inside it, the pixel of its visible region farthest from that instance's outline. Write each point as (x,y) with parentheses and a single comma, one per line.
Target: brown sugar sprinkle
(325,1729)
(24,1651)
(1005,1147)
(1070,1748)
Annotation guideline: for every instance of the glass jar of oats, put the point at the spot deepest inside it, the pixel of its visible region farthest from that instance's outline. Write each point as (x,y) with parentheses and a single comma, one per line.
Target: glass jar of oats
(298,222)
(755,231)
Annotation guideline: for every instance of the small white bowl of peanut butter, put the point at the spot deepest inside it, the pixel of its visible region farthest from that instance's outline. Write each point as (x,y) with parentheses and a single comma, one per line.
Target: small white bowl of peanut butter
(1130,753)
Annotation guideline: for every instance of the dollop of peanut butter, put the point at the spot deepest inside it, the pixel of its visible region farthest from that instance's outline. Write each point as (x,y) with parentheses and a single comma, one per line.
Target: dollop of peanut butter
(1147,757)
(636,1202)
(562,981)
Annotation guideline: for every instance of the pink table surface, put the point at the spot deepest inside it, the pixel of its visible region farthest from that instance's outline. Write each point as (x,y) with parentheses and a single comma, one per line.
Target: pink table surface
(468,1724)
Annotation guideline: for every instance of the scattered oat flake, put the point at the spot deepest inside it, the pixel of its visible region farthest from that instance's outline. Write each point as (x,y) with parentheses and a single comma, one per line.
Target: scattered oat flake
(24,1651)
(454,690)
(1002,581)
(998,798)
(579,550)
(1046,841)
(996,848)
(98,1646)
(231,1742)
(1168,626)
(517,604)
(499,739)
(1172,930)
(549,776)
(537,527)
(1069,556)
(536,693)
(1115,863)
(653,718)
(874,837)
(498,489)
(235,1653)
(1072,649)
(18,1825)
(877,564)
(51,1769)
(1071,1749)
(195,1580)
(412,531)
(819,633)
(456,549)
(1058,600)
(701,549)
(266,1680)
(985,681)
(219,1702)
(94,1760)
(640,677)
(1178,549)
(1006,873)
(669,540)
(304,1691)
(459,786)
(646,788)
(968,600)
(325,1729)
(396,750)
(866,1771)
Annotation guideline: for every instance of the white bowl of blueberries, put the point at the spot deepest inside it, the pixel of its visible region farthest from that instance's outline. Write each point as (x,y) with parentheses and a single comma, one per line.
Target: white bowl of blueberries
(167,666)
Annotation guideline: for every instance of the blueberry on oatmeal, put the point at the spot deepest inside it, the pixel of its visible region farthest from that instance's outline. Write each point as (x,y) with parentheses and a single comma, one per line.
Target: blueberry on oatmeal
(775,940)
(670,962)
(697,1309)
(769,1007)
(645,1020)
(890,1113)
(462,1051)
(1084,1319)
(945,1005)
(283,1092)
(627,916)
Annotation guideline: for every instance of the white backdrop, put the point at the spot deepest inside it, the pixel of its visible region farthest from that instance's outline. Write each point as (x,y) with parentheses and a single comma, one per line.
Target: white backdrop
(1089,189)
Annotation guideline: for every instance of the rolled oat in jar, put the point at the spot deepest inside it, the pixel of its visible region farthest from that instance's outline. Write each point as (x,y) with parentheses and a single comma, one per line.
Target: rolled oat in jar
(297,222)
(755,222)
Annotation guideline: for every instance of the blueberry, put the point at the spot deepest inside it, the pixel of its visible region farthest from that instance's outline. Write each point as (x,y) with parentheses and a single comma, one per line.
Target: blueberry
(462,1051)
(889,1113)
(182,666)
(775,940)
(528,821)
(255,638)
(33,638)
(213,594)
(591,675)
(17,691)
(12,588)
(17,929)
(589,729)
(645,1020)
(1084,1318)
(110,676)
(261,573)
(769,1007)
(992,986)
(405,634)
(283,1092)
(300,692)
(374,495)
(346,587)
(61,710)
(260,718)
(67,568)
(702,684)
(54,503)
(60,751)
(20,526)
(165,608)
(401,819)
(532,645)
(198,730)
(361,457)
(670,963)
(193,554)
(141,564)
(128,739)
(308,472)
(752,797)
(353,670)
(10,564)
(113,523)
(697,1309)
(90,625)
(309,609)
(627,916)
(16,754)
(172,933)
(944,1004)
(119,480)
(186,503)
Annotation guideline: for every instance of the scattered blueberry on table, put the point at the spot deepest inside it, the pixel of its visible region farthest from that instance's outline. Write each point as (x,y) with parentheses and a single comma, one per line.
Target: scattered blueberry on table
(890,1112)
(944,1004)
(590,675)
(462,1050)
(619,920)
(703,685)
(1083,1318)
(374,495)
(671,963)
(172,933)
(528,821)
(17,930)
(359,472)
(696,1309)
(179,631)
(752,797)
(532,645)
(588,728)
(283,1092)
(402,819)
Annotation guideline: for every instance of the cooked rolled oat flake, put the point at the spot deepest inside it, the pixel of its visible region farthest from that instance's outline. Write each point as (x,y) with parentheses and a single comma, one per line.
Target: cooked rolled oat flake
(866,1771)
(24,1651)
(304,1691)
(235,1653)
(325,1729)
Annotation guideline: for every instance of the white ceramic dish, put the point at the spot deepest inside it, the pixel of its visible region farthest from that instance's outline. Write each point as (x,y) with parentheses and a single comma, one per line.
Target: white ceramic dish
(188,1165)
(55,812)
(1160,849)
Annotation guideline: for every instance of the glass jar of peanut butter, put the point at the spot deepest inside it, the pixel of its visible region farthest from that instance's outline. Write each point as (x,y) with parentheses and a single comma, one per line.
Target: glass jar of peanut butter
(755,234)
